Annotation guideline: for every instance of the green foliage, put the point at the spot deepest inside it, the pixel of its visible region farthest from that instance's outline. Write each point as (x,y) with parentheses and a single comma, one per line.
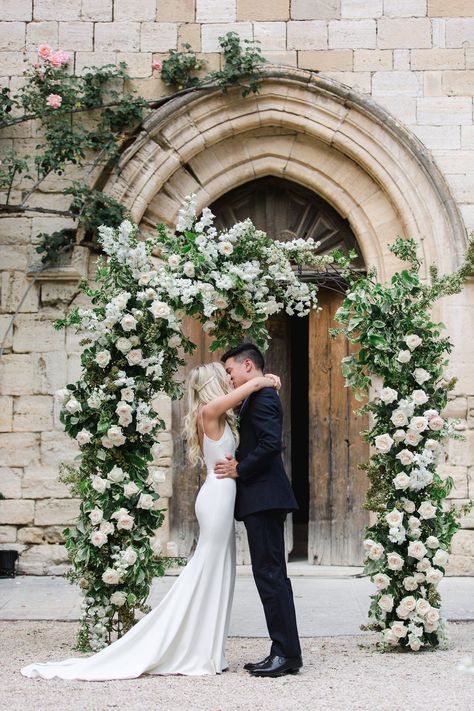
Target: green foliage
(239,64)
(53,245)
(180,69)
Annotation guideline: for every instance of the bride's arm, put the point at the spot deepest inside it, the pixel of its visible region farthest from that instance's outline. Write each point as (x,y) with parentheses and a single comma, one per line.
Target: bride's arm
(220,405)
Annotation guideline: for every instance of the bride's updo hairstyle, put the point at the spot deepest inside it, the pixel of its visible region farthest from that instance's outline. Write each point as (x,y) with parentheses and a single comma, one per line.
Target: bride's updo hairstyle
(204,384)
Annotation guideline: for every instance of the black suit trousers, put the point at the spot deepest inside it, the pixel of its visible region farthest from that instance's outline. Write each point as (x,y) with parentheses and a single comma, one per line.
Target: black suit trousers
(265,531)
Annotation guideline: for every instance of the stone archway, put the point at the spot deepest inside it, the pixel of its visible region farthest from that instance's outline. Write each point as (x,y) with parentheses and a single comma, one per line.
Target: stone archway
(308,129)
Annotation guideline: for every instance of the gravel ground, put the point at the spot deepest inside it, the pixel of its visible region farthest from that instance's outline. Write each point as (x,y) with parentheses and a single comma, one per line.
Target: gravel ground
(340,673)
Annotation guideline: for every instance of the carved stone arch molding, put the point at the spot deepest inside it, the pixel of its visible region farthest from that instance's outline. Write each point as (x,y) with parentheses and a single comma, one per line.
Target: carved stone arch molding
(308,129)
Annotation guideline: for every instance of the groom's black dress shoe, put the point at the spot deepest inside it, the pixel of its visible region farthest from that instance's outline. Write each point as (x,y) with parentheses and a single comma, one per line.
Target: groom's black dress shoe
(253,665)
(278,666)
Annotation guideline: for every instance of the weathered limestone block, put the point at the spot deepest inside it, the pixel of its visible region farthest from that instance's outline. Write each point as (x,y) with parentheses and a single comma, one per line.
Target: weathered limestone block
(165,448)
(470,411)
(165,490)
(10,483)
(16,374)
(19,10)
(4,324)
(445,137)
(42,483)
(158,36)
(13,257)
(270,9)
(437,59)
(13,287)
(97,10)
(459,476)
(89,59)
(33,413)
(35,534)
(57,447)
(453,8)
(404,33)
(7,534)
(463,543)
(162,405)
(372,60)
(49,371)
(212,11)
(396,84)
(354,9)
(38,333)
(144,10)
(6,413)
(16,511)
(138,63)
(19,449)
(352,34)
(117,36)
(178,11)
(212,32)
(271,35)
(460,565)
(462,452)
(12,35)
(57,294)
(74,368)
(456,408)
(56,10)
(38,560)
(56,511)
(311,34)
(76,36)
(41,33)
(440,110)
(404,8)
(15,231)
(331,60)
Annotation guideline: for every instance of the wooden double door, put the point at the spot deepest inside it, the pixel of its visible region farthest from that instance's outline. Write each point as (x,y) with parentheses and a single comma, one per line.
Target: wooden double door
(322,445)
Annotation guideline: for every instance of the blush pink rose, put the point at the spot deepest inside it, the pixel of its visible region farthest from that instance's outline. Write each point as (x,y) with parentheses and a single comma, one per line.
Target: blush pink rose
(54,100)
(44,50)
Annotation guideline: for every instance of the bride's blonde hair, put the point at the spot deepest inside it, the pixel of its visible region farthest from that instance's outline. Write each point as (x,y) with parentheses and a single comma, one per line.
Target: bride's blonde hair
(204,383)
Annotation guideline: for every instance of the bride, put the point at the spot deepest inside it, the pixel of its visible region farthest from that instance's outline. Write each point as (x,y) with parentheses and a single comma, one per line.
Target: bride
(187,631)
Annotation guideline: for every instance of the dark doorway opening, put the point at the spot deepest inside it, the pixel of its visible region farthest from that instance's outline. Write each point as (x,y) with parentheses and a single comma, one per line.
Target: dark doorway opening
(299,333)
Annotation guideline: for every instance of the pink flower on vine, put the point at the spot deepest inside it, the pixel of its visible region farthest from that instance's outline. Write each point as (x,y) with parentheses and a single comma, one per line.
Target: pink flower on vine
(44,50)
(156,66)
(57,59)
(54,100)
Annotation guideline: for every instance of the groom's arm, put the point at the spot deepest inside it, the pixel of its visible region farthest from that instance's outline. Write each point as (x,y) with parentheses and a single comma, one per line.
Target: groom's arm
(266,419)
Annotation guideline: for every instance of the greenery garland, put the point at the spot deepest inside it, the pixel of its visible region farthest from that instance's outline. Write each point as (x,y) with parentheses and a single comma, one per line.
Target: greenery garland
(230,281)
(402,355)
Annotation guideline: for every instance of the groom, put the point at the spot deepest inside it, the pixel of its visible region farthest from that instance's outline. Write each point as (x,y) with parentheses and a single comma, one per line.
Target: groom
(264,497)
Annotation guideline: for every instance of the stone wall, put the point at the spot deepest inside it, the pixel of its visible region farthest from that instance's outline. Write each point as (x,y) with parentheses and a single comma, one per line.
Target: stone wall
(414,57)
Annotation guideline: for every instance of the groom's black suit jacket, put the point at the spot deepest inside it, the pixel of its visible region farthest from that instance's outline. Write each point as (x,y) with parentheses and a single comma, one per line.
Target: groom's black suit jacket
(262,483)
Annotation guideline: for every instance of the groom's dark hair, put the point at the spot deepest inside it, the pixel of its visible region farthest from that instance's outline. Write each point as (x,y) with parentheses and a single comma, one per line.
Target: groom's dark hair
(244,351)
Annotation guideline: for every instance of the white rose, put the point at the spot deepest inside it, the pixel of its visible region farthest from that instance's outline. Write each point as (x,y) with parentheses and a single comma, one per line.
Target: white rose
(421,375)
(412,438)
(416,549)
(441,557)
(388,395)
(118,598)
(130,489)
(127,394)
(430,626)
(395,561)
(106,442)
(422,606)
(434,576)
(401,481)
(83,437)
(145,501)
(408,602)
(73,405)
(102,358)
(158,476)
(123,344)
(375,551)
(419,577)
(116,474)
(414,523)
(399,629)
(405,457)
(423,565)
(221,302)
(404,356)
(381,581)
(432,615)
(246,323)
(99,484)
(402,612)
(398,436)
(390,637)
(386,603)
(432,542)
(419,397)
(409,583)
(134,357)
(415,643)
(394,517)
(115,435)
(427,510)
(111,577)
(226,248)
(121,300)
(125,522)
(98,538)
(123,408)
(383,443)
(188,269)
(399,418)
(412,341)
(106,527)
(174,260)
(94,402)
(436,423)
(96,516)
(409,506)
(174,341)
(159,309)
(208,326)
(418,424)
(430,413)
(431,444)
(128,323)
(145,426)
(129,556)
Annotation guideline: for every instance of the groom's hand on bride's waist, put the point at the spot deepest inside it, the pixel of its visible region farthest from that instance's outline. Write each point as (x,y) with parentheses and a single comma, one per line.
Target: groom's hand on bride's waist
(226,468)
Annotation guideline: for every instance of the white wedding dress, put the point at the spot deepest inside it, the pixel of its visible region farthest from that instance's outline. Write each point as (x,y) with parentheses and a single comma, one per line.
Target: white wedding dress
(187,631)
